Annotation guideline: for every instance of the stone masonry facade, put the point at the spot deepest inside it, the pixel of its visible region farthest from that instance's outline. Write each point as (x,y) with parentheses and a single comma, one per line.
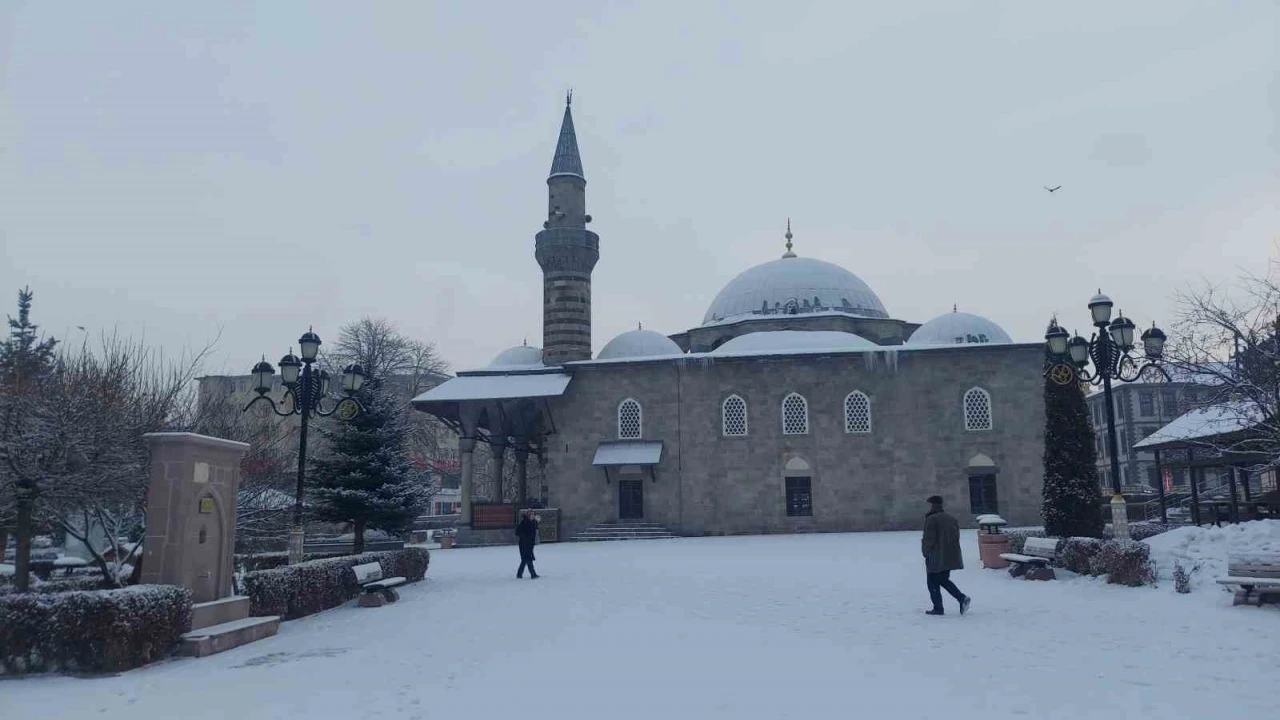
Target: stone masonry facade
(710,484)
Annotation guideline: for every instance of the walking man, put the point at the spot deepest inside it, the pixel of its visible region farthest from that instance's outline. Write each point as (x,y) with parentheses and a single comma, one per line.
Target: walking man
(941,548)
(526,534)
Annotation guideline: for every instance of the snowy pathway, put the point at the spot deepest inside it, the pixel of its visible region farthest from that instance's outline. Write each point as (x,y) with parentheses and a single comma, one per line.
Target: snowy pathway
(786,626)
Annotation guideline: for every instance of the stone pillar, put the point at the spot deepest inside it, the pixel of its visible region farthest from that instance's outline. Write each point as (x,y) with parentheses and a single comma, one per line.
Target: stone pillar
(191,513)
(522,476)
(465,447)
(498,446)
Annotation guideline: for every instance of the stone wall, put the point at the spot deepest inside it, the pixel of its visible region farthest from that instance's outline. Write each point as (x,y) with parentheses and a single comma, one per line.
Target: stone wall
(711,484)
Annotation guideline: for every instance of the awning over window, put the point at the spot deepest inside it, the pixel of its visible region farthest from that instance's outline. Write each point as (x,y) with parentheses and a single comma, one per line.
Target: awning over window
(495,387)
(628,452)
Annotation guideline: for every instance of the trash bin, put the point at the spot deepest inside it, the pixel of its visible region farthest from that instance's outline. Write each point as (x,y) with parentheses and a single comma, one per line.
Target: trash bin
(992,543)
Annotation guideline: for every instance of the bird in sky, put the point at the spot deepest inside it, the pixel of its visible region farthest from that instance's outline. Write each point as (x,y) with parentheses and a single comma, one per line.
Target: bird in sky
(1055,188)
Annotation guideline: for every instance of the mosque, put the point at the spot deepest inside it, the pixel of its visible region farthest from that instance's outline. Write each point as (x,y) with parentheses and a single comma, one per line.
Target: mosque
(798,404)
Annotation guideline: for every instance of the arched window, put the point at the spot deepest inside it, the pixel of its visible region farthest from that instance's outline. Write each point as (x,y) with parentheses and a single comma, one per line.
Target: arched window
(857,413)
(977,409)
(733,414)
(795,415)
(630,419)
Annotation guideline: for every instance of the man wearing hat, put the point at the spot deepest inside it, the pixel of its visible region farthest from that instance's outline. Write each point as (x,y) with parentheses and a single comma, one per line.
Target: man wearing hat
(941,548)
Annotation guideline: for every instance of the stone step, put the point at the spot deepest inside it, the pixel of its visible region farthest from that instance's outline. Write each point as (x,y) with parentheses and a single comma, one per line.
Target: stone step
(217,638)
(217,612)
(639,530)
(620,539)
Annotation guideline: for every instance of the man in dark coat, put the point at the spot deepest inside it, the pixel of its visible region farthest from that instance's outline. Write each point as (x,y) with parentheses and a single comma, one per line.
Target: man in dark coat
(941,548)
(527,534)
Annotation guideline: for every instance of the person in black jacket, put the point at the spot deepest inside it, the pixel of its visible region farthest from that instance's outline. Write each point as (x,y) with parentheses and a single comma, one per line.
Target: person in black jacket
(941,548)
(526,534)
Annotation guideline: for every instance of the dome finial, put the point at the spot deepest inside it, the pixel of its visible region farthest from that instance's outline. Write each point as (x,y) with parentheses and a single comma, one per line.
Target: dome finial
(639,326)
(954,308)
(788,253)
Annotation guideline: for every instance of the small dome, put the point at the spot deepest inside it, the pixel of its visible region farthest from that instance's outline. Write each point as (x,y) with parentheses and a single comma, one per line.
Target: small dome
(638,344)
(781,341)
(957,328)
(518,356)
(794,285)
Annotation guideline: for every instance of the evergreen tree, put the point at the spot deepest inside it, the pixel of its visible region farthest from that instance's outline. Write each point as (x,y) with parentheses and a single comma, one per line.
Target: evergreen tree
(1071,492)
(24,358)
(366,477)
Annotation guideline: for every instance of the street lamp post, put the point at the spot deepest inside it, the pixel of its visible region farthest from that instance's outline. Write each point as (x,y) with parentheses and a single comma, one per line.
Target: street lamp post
(1109,350)
(307,389)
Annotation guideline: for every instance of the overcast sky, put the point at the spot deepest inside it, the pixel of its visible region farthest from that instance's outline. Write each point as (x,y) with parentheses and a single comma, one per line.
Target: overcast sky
(180,170)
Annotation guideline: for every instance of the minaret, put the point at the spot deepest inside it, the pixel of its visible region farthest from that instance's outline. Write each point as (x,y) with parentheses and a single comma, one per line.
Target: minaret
(567,252)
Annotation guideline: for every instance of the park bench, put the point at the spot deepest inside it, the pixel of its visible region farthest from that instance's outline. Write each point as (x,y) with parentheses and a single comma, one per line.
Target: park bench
(1033,562)
(378,590)
(1256,577)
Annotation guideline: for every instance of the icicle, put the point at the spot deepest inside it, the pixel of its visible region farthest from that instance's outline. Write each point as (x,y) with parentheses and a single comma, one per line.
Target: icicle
(891,359)
(869,361)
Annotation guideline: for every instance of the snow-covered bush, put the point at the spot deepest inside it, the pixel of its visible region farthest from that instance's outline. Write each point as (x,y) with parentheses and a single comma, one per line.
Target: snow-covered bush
(306,588)
(273,560)
(1077,554)
(1018,538)
(92,581)
(1140,531)
(1126,562)
(101,631)
(1182,577)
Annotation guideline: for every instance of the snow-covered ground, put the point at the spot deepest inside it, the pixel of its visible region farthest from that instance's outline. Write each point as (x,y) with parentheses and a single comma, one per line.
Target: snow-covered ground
(809,626)
(1203,552)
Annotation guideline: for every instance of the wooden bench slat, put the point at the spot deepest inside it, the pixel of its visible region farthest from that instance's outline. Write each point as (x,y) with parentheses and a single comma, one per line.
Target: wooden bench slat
(1024,559)
(1245,580)
(384,584)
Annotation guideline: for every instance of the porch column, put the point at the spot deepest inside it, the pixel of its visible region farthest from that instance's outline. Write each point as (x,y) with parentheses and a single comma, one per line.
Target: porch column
(1195,488)
(1164,505)
(1244,476)
(499,448)
(522,475)
(466,446)
(1235,503)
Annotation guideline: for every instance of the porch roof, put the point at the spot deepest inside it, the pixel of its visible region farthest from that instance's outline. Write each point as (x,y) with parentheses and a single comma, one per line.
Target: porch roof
(628,452)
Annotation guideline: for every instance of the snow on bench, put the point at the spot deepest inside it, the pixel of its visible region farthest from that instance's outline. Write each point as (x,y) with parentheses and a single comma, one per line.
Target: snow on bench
(1034,559)
(377,590)
(1257,576)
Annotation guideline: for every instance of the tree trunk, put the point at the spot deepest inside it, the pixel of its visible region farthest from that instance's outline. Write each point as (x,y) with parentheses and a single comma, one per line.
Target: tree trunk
(359,541)
(4,541)
(22,528)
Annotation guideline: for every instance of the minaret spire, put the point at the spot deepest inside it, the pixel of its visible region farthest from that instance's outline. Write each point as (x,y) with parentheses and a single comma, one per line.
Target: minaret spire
(788,236)
(567,161)
(567,252)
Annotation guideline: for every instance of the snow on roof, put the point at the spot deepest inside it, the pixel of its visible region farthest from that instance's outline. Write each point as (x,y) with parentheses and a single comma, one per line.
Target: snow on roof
(628,452)
(495,387)
(638,344)
(772,286)
(956,328)
(759,343)
(1205,423)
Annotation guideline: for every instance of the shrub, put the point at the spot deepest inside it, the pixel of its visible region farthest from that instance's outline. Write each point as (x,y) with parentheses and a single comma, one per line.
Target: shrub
(1018,538)
(273,560)
(306,588)
(1077,554)
(1182,577)
(1126,562)
(1147,530)
(90,581)
(101,631)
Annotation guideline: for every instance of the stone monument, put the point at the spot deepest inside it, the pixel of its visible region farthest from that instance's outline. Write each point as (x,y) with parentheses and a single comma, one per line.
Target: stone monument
(191,513)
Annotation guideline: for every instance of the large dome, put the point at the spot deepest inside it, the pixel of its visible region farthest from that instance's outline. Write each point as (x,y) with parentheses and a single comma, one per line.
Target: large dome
(638,344)
(786,341)
(793,285)
(520,356)
(957,328)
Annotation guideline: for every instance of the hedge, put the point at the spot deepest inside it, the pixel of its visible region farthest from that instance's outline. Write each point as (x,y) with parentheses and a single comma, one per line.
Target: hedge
(98,631)
(310,587)
(90,581)
(273,560)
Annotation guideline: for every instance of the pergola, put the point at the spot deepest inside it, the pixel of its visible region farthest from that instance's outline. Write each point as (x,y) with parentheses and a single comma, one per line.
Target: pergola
(1195,441)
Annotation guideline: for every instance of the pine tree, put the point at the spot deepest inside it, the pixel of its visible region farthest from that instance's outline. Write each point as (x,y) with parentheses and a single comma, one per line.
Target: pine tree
(24,358)
(366,477)
(1071,491)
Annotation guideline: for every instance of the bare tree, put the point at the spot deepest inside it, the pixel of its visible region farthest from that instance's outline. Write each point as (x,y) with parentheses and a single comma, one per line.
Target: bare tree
(73,445)
(1226,340)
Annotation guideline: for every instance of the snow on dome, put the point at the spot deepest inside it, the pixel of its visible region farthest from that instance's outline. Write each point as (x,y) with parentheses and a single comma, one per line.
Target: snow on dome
(638,344)
(957,328)
(782,341)
(793,285)
(518,356)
